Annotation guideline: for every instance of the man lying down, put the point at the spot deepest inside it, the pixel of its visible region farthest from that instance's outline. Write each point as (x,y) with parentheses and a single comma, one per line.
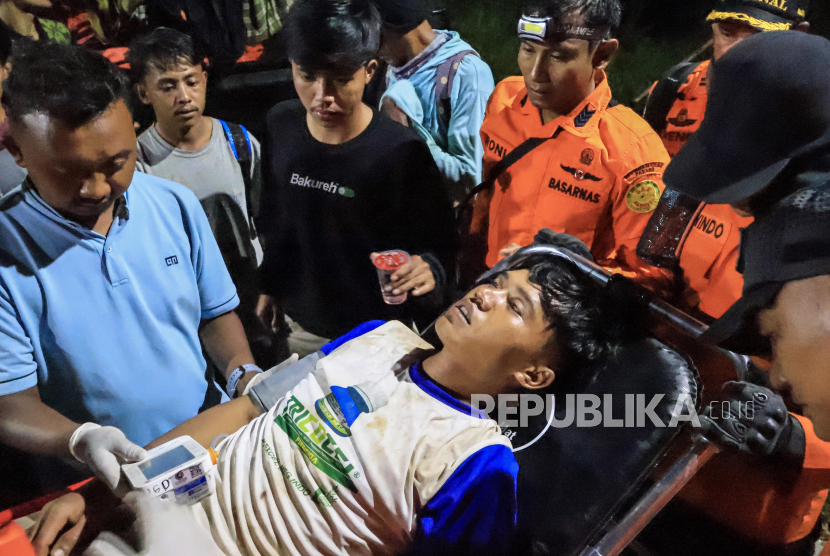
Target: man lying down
(375,451)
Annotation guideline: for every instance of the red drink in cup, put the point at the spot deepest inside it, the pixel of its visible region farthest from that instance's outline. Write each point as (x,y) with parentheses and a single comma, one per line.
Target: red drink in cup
(387,262)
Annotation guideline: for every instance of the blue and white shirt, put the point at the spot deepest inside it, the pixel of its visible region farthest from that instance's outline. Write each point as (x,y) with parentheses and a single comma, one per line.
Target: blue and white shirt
(107,328)
(365,456)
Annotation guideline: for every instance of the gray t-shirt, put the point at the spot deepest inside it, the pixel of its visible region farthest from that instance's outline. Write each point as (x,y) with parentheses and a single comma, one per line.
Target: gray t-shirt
(11,175)
(210,170)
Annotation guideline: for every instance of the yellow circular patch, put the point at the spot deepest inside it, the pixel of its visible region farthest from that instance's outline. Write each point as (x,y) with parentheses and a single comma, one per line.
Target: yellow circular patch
(643,197)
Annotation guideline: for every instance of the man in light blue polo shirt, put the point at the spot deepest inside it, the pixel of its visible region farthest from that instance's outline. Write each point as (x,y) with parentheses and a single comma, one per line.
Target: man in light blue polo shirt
(108,277)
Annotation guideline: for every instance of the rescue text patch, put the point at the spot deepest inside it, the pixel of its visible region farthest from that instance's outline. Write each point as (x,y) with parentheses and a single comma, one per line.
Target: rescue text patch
(578,192)
(647,168)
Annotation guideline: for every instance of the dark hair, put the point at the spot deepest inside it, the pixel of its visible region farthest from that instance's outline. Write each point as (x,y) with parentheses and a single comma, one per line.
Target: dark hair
(587,323)
(64,81)
(5,43)
(332,35)
(163,48)
(595,13)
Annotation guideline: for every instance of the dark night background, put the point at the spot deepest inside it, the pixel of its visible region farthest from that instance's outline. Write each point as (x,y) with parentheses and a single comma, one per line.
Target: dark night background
(655,35)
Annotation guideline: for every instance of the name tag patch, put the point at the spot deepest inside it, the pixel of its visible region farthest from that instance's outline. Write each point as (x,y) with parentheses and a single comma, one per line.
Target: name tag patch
(577,192)
(711,227)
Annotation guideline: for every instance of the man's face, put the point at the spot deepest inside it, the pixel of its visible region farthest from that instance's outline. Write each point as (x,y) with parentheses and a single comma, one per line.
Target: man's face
(798,327)
(497,328)
(393,48)
(176,94)
(79,172)
(558,76)
(330,98)
(727,34)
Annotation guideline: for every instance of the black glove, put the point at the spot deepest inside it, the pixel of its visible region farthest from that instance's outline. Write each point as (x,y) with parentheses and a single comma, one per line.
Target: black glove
(546,236)
(754,419)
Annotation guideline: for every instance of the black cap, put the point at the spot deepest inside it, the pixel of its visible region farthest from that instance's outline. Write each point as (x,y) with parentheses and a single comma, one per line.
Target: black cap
(764,15)
(791,242)
(768,104)
(402,16)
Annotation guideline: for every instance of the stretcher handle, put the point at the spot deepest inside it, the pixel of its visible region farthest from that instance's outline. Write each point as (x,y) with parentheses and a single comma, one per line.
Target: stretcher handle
(654,500)
(35,505)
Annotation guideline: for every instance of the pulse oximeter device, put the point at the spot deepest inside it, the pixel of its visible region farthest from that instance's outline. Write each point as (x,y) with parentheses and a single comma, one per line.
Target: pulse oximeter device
(180,468)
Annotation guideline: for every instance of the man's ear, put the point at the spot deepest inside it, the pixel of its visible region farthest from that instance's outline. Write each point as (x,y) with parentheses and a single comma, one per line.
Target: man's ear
(535,378)
(371,68)
(141,92)
(14,150)
(604,52)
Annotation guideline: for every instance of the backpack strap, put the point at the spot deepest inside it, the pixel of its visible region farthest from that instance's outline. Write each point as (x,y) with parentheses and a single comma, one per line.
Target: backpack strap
(664,95)
(502,166)
(240,143)
(444,78)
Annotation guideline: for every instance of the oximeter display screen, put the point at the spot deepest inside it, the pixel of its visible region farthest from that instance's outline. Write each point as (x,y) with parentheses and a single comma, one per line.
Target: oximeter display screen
(165,462)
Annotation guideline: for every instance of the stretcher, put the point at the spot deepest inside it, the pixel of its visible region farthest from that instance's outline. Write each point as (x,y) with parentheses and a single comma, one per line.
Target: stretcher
(589,491)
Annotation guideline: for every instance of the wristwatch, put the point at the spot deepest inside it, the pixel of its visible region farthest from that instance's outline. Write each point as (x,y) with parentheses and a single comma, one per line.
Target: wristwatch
(238,373)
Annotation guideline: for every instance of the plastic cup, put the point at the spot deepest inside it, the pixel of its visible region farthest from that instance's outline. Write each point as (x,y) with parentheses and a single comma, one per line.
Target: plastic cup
(386,263)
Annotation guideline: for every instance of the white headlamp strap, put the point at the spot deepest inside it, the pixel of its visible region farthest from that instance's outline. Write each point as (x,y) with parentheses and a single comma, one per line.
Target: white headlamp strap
(545,29)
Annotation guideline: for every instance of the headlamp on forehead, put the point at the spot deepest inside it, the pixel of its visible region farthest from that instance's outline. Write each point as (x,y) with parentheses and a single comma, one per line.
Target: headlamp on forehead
(544,29)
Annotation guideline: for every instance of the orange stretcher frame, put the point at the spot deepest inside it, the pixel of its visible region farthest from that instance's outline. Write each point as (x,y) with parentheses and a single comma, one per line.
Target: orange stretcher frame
(13,541)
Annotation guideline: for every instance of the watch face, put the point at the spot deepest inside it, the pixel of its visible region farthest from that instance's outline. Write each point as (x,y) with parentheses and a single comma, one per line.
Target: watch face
(165,462)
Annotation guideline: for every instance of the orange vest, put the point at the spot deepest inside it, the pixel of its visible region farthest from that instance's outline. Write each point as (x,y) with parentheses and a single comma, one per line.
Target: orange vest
(598,178)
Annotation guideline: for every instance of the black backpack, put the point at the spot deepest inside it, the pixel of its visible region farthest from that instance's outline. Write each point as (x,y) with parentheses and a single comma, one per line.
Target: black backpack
(664,95)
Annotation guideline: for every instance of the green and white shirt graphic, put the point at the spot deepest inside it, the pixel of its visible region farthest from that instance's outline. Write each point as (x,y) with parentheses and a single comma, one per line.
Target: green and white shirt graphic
(303,479)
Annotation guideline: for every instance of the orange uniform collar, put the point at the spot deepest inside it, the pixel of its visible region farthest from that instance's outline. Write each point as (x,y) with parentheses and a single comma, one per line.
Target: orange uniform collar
(583,119)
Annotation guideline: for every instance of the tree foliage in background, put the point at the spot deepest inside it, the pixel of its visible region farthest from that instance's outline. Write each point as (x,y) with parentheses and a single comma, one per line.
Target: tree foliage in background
(655,35)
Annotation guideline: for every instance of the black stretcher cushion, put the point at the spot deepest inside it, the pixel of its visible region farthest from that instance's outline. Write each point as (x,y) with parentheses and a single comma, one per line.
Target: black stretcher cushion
(572,480)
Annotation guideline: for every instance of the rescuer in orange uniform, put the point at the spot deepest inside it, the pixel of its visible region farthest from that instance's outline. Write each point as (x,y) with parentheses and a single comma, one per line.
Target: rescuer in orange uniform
(598,175)
(709,253)
(771,510)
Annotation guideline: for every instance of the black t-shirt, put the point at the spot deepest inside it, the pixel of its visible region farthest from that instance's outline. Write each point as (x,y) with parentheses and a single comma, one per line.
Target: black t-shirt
(326,207)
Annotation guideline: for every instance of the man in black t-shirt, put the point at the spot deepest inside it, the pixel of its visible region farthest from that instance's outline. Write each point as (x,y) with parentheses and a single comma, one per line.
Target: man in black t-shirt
(341,182)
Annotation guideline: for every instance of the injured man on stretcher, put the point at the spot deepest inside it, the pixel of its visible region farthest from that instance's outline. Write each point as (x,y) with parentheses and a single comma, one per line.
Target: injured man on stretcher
(376,450)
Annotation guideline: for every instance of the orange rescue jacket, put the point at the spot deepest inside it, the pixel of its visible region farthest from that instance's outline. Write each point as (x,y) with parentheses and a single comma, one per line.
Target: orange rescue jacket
(687,111)
(709,258)
(598,178)
(709,255)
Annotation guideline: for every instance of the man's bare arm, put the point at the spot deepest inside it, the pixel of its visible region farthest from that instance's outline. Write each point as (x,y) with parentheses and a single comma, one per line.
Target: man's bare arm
(225,341)
(28,424)
(226,418)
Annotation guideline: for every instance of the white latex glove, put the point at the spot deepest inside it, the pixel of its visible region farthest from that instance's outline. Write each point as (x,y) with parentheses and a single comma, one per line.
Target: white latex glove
(104,449)
(265,374)
(166,529)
